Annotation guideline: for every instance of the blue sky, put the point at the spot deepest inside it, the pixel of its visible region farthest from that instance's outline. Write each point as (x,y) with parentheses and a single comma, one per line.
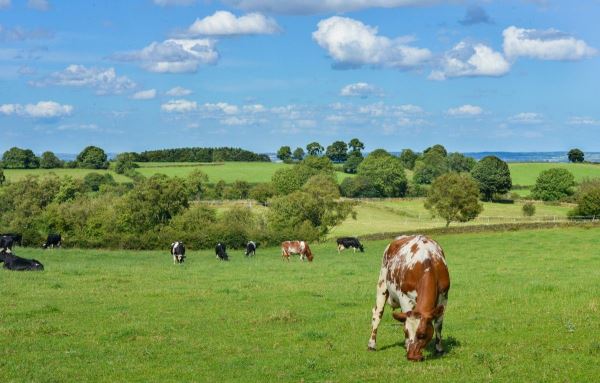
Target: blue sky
(515,75)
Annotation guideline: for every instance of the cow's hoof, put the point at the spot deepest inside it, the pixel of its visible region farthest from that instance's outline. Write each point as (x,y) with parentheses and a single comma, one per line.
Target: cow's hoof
(439,352)
(371,348)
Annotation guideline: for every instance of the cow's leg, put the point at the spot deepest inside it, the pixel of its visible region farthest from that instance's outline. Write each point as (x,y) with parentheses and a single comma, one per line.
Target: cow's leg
(174,259)
(438,324)
(382,296)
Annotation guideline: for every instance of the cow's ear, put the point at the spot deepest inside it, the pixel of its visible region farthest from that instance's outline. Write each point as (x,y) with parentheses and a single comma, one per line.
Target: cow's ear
(400,316)
(438,311)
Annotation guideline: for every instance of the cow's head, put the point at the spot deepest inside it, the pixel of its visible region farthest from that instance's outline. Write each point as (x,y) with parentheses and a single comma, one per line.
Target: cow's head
(309,254)
(418,330)
(362,249)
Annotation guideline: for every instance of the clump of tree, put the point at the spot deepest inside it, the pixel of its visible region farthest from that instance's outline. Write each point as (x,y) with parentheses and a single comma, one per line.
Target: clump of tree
(290,179)
(17,158)
(587,199)
(358,187)
(337,152)
(285,154)
(125,163)
(459,163)
(493,176)
(298,154)
(49,160)
(201,155)
(553,185)
(408,158)
(314,149)
(94,181)
(385,172)
(454,197)
(432,165)
(92,157)
(575,155)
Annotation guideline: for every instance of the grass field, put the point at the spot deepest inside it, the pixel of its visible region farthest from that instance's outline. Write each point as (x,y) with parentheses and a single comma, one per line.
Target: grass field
(17,174)
(525,174)
(524,306)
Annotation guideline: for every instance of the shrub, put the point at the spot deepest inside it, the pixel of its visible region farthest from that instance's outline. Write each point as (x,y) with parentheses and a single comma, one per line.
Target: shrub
(358,187)
(262,192)
(454,197)
(553,185)
(528,209)
(588,203)
(93,181)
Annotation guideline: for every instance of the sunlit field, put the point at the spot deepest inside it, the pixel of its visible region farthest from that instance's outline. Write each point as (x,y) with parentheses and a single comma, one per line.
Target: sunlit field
(523,306)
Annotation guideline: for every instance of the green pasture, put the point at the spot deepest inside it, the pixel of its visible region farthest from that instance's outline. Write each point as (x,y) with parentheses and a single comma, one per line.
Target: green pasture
(526,173)
(523,306)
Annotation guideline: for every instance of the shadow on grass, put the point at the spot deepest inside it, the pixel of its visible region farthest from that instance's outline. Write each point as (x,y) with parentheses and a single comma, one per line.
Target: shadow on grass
(449,343)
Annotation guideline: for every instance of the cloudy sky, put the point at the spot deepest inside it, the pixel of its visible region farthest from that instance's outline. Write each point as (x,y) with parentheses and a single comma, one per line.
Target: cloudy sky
(518,75)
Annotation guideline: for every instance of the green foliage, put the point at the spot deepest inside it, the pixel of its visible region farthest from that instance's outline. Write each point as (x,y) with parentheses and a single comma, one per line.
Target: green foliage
(200,155)
(93,181)
(92,157)
(454,197)
(588,203)
(351,164)
(432,165)
(337,151)
(355,145)
(385,172)
(69,189)
(436,148)
(125,162)
(553,185)
(528,209)
(262,192)
(575,155)
(284,153)
(219,189)
(408,158)
(2,177)
(238,190)
(17,158)
(196,183)
(48,160)
(458,162)
(298,154)
(288,180)
(493,176)
(314,149)
(358,187)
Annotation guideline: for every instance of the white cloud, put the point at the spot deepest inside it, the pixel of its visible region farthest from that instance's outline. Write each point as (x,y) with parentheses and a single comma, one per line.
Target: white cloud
(144,94)
(321,6)
(178,91)
(222,107)
(527,118)
(465,110)
(350,43)
(38,5)
(470,60)
(223,23)
(179,106)
(164,3)
(4,4)
(174,55)
(549,44)
(21,34)
(79,127)
(43,110)
(104,81)
(254,108)
(360,89)
(583,120)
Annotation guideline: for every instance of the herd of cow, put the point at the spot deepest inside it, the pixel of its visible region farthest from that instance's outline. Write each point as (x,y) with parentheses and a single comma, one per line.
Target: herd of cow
(413,277)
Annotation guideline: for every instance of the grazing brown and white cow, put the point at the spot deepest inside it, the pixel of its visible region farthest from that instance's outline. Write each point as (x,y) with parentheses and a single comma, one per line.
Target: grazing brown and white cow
(413,277)
(296,247)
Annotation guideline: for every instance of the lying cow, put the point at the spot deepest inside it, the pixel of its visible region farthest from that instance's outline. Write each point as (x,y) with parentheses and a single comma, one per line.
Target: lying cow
(221,252)
(349,243)
(413,277)
(251,248)
(178,252)
(53,240)
(296,247)
(6,242)
(13,262)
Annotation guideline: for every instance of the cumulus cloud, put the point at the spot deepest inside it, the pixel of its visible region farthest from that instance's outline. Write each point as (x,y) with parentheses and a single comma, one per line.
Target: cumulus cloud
(144,94)
(350,43)
(79,127)
(583,120)
(527,118)
(21,34)
(178,91)
(549,44)
(475,14)
(465,110)
(222,107)
(470,60)
(173,55)
(223,23)
(303,7)
(164,3)
(360,89)
(179,106)
(43,110)
(103,81)
(38,5)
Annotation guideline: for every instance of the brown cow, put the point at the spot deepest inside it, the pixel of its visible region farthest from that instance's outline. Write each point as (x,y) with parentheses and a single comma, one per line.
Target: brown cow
(296,247)
(413,277)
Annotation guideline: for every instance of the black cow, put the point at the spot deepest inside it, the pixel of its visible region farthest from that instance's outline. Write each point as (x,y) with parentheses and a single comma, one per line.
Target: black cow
(349,242)
(6,242)
(251,248)
(13,262)
(221,252)
(178,252)
(17,238)
(53,240)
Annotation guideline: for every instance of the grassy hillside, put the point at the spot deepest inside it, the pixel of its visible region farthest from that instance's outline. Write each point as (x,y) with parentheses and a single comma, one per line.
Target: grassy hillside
(518,311)
(525,174)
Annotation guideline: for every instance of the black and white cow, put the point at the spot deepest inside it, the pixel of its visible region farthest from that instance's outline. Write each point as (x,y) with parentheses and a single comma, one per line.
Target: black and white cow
(178,252)
(221,252)
(349,242)
(17,238)
(13,262)
(6,242)
(53,240)
(251,248)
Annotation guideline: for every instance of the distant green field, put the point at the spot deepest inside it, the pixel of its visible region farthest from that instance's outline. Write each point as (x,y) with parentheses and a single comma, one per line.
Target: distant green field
(525,174)
(523,307)
(17,174)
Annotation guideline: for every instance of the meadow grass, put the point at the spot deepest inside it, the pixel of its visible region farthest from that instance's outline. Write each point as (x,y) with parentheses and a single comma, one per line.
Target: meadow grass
(523,306)
(526,173)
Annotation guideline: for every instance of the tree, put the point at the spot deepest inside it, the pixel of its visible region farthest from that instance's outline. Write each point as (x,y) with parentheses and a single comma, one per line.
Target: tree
(355,145)
(196,183)
(284,153)
(493,176)
(337,152)
(93,181)
(288,180)
(48,160)
(351,164)
(436,148)
(17,158)
(262,192)
(553,185)
(314,149)
(454,197)
(408,158)
(125,162)
(458,162)
(385,172)
(432,165)
(92,157)
(298,154)
(358,187)
(575,155)
(588,203)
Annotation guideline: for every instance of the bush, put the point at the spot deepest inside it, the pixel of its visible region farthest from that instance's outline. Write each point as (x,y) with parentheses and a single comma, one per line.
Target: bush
(125,162)
(553,185)
(358,187)
(528,209)
(454,197)
(93,181)
(262,192)
(493,176)
(588,203)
